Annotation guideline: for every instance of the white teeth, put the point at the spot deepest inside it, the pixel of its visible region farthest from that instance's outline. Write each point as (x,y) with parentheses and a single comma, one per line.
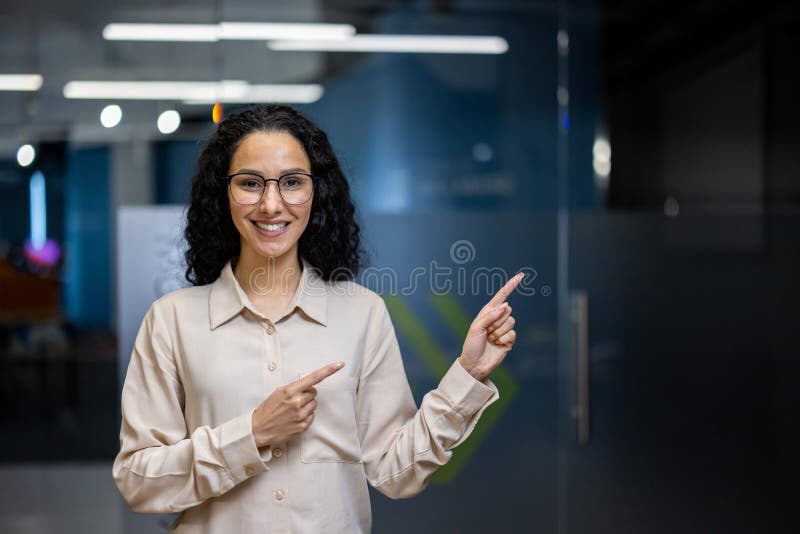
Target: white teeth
(270,227)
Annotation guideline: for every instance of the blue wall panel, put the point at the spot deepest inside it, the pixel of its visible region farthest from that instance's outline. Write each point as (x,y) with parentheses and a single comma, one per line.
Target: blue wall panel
(87,283)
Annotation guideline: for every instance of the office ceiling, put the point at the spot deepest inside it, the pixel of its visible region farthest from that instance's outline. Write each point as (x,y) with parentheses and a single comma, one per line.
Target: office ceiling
(63,41)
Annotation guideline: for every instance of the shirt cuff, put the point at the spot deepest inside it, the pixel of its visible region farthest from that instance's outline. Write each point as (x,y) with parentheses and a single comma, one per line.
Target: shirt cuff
(238,448)
(467,395)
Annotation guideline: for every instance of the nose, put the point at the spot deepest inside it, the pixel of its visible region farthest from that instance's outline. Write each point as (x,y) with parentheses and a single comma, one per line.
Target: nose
(271,202)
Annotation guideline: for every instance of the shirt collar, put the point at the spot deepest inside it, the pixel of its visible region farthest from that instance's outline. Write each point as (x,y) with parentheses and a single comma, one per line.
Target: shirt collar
(227,298)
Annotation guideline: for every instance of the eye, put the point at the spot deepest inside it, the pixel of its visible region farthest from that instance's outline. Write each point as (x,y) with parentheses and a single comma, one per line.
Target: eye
(247,182)
(293,181)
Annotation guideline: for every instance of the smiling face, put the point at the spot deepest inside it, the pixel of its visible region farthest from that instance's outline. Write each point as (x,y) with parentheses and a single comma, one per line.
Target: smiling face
(270,154)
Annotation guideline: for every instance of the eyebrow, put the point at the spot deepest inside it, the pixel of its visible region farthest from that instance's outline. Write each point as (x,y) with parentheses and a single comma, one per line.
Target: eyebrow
(283,172)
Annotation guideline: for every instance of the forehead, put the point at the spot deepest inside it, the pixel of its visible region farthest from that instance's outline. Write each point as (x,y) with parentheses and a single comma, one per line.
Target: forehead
(271,151)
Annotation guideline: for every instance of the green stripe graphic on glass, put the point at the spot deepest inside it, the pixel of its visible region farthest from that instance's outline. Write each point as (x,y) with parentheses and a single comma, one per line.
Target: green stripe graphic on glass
(437,361)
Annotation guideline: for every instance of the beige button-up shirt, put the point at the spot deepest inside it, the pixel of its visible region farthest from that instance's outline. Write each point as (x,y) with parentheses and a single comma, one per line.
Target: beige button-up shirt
(204,358)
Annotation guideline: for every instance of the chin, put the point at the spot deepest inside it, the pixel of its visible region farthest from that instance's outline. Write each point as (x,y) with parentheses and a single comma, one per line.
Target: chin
(271,251)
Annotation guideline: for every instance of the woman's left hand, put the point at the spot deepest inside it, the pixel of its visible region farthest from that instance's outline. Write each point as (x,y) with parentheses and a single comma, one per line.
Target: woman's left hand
(491,334)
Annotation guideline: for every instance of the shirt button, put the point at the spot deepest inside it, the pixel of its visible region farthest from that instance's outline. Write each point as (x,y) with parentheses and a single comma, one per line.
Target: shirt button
(272,366)
(277,453)
(270,330)
(249,471)
(279,495)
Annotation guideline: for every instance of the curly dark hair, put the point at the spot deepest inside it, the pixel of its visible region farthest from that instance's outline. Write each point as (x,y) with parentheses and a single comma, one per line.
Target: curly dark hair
(331,242)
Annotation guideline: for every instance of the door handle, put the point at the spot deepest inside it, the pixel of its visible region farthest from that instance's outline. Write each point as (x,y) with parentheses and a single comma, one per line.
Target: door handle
(580,336)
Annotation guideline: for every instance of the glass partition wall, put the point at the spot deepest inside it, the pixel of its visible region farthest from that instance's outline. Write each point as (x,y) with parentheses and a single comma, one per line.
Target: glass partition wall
(635,159)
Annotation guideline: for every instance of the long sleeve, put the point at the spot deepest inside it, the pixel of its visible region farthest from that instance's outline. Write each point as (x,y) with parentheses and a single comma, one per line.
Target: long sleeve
(160,467)
(402,446)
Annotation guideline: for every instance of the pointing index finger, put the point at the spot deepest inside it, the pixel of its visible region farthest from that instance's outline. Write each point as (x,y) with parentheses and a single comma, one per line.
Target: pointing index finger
(318,376)
(501,296)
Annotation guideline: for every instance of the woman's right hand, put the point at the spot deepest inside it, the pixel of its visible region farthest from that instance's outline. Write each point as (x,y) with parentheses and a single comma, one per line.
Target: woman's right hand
(289,410)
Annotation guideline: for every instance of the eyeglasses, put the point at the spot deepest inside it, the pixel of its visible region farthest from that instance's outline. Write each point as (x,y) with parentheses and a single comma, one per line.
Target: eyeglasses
(248,188)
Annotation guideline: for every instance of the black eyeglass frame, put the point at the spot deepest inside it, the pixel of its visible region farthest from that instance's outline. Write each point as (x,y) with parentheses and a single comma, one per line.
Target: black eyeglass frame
(277,181)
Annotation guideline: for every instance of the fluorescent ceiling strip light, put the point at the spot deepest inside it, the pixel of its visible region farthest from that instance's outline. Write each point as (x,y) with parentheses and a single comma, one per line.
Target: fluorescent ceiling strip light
(102,90)
(20,82)
(297,94)
(247,31)
(258,31)
(161,32)
(428,44)
(193,92)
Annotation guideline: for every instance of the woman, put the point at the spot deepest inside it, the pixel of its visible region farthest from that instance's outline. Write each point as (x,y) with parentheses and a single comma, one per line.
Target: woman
(266,397)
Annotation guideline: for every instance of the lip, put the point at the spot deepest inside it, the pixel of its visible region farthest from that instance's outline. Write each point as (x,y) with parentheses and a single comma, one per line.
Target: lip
(274,233)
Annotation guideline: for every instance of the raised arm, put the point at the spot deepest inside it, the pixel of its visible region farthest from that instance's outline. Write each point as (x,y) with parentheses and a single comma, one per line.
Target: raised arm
(402,446)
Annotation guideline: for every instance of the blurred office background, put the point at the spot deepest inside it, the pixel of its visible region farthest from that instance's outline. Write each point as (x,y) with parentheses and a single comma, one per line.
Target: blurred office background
(639,158)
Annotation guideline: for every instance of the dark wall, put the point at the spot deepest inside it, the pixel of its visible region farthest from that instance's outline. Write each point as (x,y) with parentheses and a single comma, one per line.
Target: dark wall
(699,104)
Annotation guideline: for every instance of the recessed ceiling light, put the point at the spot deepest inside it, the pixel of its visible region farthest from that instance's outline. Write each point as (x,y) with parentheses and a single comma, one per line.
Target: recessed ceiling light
(168,121)
(110,116)
(25,155)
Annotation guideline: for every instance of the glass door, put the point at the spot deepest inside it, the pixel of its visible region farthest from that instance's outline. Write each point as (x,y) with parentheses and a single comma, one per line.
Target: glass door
(677,360)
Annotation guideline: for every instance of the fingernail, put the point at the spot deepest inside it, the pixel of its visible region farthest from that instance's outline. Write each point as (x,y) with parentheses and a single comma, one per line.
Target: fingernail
(339,365)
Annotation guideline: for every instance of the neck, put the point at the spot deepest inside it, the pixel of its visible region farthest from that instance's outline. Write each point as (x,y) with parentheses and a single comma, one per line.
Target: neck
(268,279)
